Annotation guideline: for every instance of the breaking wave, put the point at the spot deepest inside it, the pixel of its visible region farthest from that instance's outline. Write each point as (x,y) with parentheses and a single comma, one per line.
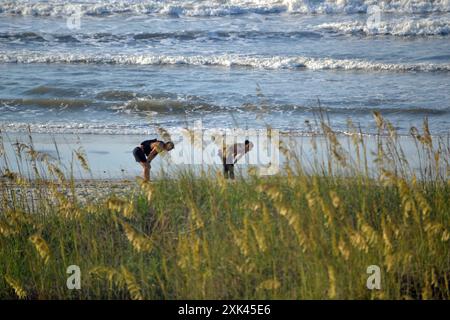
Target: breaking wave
(214,7)
(404,27)
(165,104)
(162,106)
(256,62)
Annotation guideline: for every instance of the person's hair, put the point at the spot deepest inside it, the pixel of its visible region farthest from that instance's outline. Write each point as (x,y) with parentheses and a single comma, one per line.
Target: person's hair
(247,142)
(170,144)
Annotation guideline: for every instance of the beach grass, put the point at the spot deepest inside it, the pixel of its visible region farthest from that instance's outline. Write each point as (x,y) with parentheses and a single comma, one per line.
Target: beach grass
(300,234)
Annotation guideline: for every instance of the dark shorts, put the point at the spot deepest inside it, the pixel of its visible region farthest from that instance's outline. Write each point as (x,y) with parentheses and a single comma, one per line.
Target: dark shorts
(228,167)
(139,155)
(228,171)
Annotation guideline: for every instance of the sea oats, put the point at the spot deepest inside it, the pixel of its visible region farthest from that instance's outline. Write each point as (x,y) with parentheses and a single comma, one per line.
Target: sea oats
(82,158)
(7,230)
(41,247)
(270,284)
(132,285)
(112,275)
(17,287)
(139,241)
(331,283)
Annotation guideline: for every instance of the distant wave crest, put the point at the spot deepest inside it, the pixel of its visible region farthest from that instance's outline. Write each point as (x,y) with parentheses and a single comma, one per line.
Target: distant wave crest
(404,27)
(214,8)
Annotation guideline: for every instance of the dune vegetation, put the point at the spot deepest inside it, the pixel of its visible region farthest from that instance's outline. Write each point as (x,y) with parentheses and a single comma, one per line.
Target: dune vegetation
(300,234)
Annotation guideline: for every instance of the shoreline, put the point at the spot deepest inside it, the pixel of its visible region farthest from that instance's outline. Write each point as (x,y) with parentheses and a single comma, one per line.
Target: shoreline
(284,133)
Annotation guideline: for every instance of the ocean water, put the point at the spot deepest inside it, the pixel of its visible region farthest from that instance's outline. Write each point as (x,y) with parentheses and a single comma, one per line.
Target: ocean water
(129,67)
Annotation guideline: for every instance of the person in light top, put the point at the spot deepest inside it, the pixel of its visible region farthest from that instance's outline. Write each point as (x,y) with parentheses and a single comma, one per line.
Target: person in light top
(231,154)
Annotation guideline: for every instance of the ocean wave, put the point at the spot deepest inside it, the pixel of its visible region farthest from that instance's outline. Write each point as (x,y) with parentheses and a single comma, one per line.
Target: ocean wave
(102,38)
(53,91)
(256,62)
(368,109)
(114,100)
(214,8)
(388,111)
(61,103)
(24,36)
(114,95)
(155,105)
(169,104)
(404,27)
(127,95)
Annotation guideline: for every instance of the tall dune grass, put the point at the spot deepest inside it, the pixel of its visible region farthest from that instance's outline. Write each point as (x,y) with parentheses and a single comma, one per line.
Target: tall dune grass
(296,235)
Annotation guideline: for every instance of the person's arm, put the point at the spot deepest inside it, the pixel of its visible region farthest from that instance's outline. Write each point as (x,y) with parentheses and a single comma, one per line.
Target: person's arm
(143,150)
(154,152)
(239,154)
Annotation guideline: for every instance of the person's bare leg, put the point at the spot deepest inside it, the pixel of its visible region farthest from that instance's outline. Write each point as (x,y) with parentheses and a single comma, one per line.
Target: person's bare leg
(146,167)
(225,171)
(231,171)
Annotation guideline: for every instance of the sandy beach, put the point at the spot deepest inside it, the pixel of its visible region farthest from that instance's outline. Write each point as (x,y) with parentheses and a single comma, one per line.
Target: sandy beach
(110,156)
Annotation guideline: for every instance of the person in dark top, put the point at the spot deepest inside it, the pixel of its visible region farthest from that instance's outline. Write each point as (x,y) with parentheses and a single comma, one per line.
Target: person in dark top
(147,151)
(231,154)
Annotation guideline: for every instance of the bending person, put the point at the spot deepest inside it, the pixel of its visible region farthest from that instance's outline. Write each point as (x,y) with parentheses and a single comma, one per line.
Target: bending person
(231,154)
(147,151)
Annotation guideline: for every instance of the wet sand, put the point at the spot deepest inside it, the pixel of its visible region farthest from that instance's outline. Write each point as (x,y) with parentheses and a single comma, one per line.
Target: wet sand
(110,157)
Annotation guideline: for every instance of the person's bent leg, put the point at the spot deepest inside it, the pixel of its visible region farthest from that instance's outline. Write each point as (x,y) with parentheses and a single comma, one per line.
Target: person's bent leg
(225,168)
(225,171)
(146,167)
(147,172)
(231,171)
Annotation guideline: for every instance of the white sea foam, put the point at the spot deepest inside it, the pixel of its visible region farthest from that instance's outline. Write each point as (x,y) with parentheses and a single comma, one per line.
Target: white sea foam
(120,129)
(215,7)
(256,62)
(404,27)
(76,128)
